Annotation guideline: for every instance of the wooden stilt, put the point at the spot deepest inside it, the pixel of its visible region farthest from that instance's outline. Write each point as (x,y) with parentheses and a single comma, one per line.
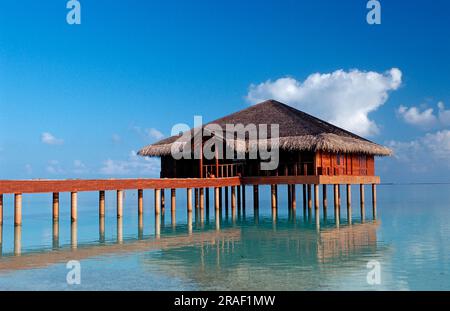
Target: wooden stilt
(119,230)
(243,197)
(140,227)
(325,200)
(74,206)
(316,197)
(274,196)
(255,197)
(293,197)
(140,202)
(226,198)
(349,203)
(374,201)
(361,199)
(207,197)
(157,202)
(196,196)
(163,201)
(238,188)
(1,209)
(220,197)
(304,197)
(101,229)
(18,209)
(55,234)
(119,203)
(202,199)
(74,235)
(216,198)
(189,199)
(17,240)
(55,206)
(101,203)
(233,197)
(336,199)
(289,195)
(309,197)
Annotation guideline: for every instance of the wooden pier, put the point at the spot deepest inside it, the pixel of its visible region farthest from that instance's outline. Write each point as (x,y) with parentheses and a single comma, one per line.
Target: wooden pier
(236,197)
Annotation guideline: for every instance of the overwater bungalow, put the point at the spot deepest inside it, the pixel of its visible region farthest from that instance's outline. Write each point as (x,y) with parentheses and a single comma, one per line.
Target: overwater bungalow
(307,146)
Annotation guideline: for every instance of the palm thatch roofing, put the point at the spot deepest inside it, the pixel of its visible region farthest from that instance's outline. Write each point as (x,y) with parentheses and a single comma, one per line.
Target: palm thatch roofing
(298,131)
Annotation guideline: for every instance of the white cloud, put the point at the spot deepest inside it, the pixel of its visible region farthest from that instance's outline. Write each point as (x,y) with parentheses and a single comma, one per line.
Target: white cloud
(425,118)
(154,133)
(54,167)
(134,165)
(148,133)
(344,98)
(424,153)
(49,139)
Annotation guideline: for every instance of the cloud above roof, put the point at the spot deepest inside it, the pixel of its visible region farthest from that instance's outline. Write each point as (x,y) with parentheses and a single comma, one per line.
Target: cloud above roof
(343,98)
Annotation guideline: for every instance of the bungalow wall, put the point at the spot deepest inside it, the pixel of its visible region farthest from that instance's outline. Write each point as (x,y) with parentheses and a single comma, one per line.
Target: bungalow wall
(327,163)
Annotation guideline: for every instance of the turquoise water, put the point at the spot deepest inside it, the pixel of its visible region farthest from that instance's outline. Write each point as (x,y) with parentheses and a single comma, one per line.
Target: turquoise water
(410,239)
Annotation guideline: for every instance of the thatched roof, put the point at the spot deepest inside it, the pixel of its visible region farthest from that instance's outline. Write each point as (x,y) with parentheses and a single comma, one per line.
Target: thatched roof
(298,131)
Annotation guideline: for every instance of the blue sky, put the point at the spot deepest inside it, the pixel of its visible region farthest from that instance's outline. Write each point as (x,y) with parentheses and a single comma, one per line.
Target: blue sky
(77,100)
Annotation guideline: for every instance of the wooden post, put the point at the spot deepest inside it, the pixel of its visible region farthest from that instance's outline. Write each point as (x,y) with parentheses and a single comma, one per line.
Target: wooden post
(73,206)
(55,234)
(1,209)
(119,203)
(243,197)
(325,200)
(163,200)
(173,200)
(238,188)
(220,197)
(233,197)
(101,229)
(289,195)
(119,230)
(202,199)
(157,202)
(216,198)
(196,204)
(309,197)
(361,198)
(374,201)
(304,197)
(336,199)
(140,202)
(349,203)
(73,235)
(274,196)
(17,209)
(226,198)
(207,197)
(293,197)
(316,197)
(189,199)
(255,197)
(17,240)
(55,206)
(101,203)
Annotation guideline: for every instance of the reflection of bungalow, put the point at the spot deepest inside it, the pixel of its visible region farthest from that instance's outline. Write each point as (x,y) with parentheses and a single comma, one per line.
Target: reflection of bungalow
(306,144)
(297,251)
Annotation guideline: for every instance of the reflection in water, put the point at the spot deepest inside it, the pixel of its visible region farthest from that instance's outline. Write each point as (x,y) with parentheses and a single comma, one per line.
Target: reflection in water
(230,246)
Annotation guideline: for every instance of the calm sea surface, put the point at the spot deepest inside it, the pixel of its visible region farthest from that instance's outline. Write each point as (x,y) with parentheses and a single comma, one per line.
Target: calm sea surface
(410,240)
